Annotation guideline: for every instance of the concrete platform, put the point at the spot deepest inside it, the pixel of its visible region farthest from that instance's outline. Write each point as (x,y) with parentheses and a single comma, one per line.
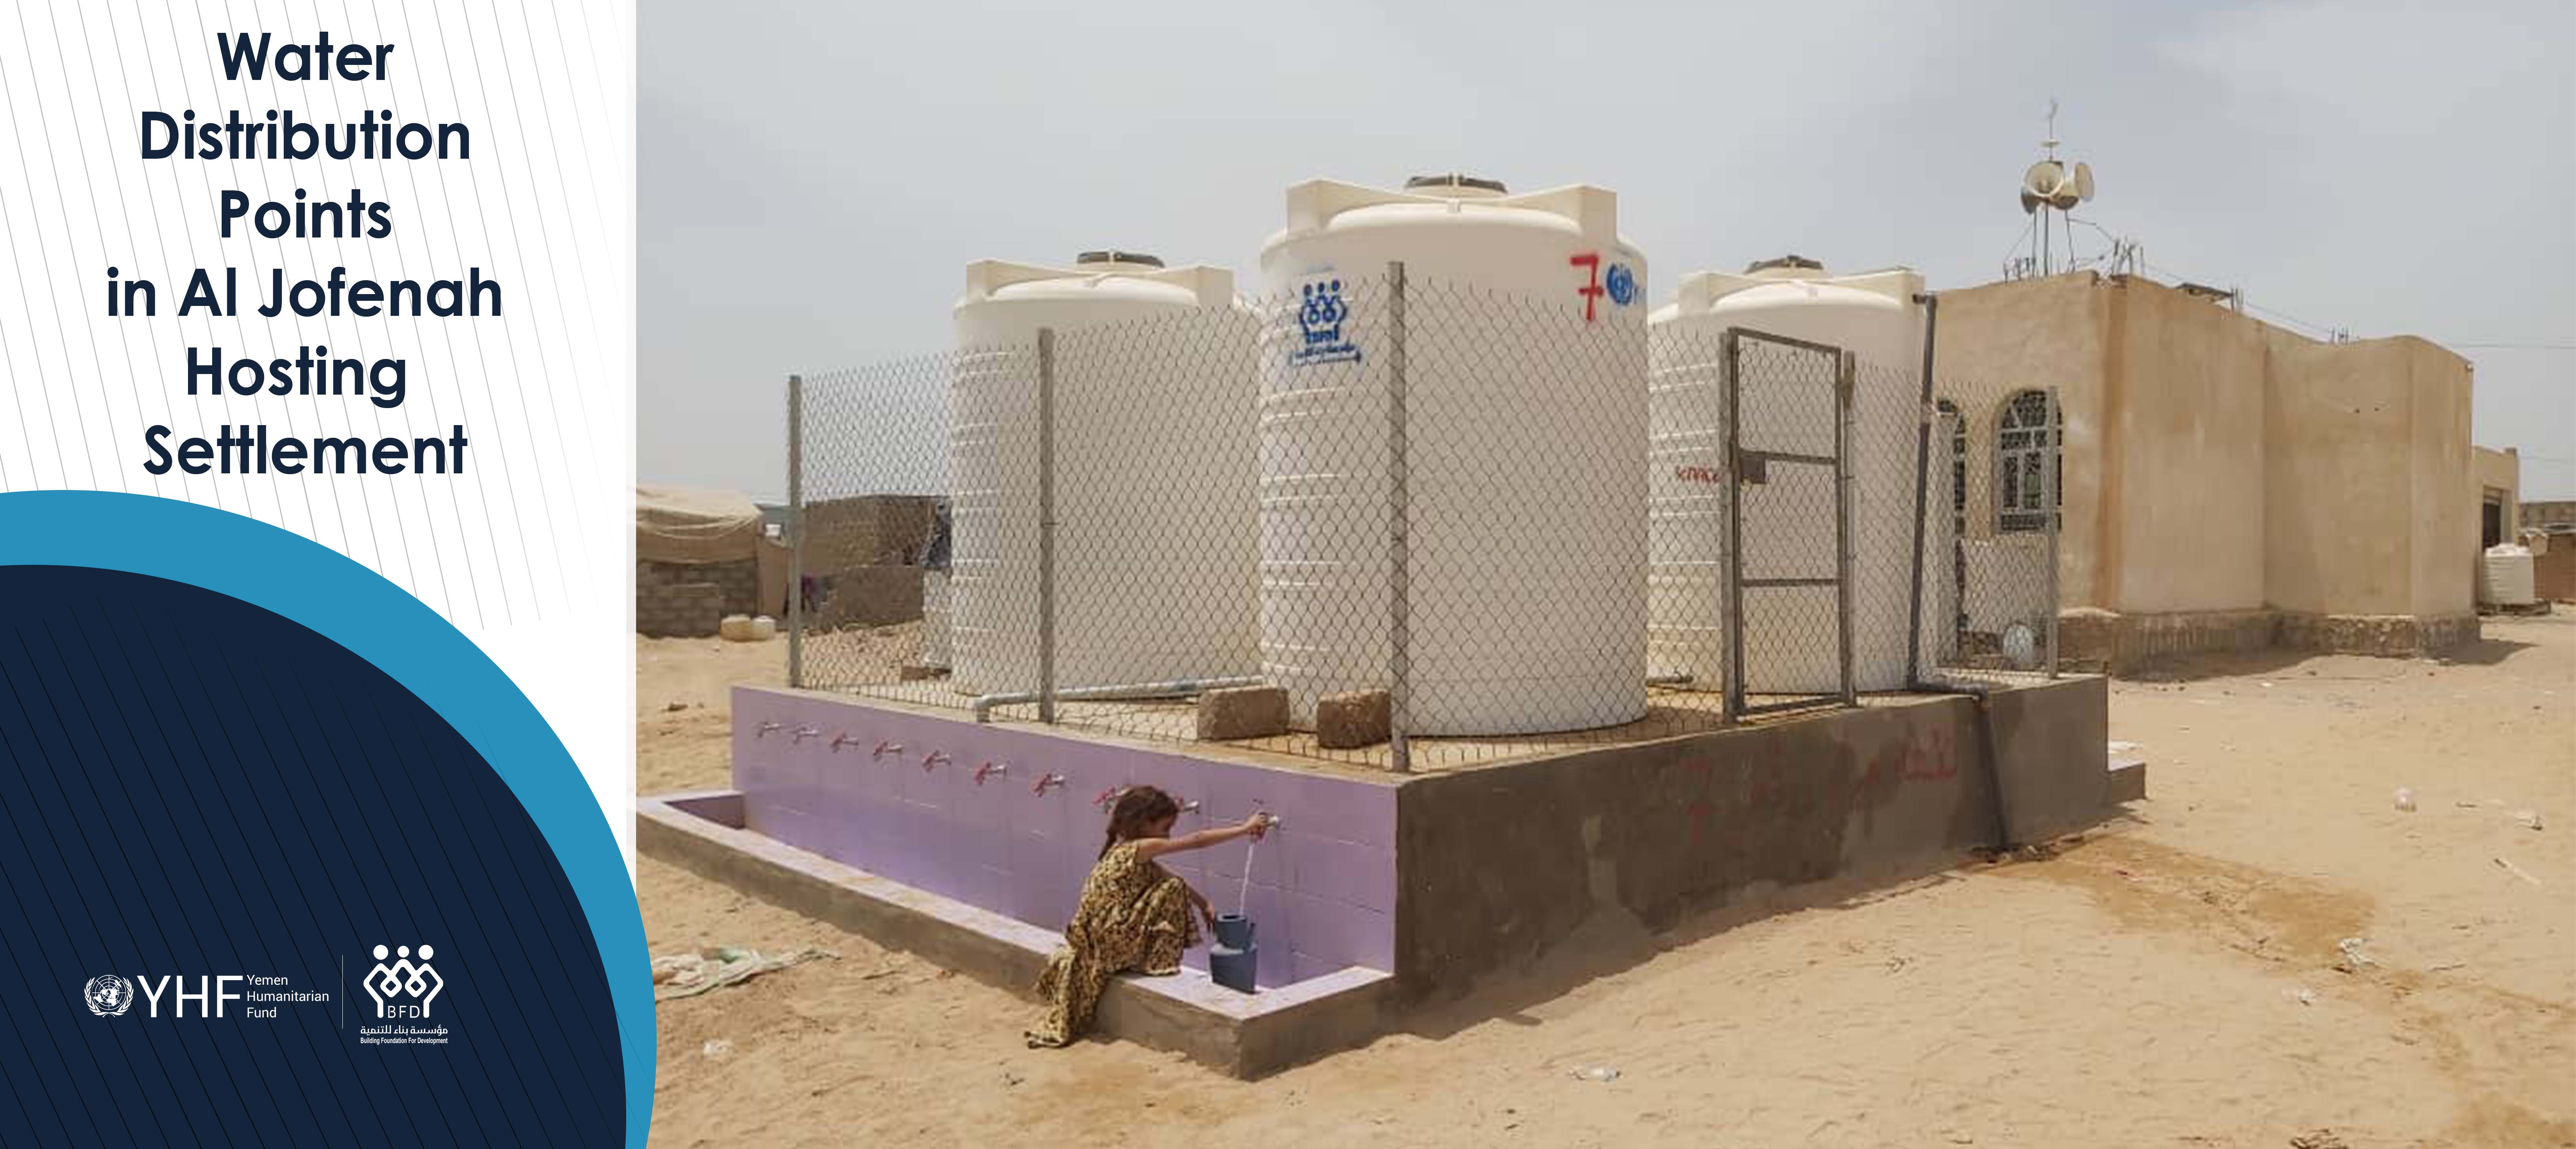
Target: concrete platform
(1380,892)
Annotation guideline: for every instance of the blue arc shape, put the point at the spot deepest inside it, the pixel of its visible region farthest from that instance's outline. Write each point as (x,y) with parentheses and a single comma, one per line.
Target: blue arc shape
(338,598)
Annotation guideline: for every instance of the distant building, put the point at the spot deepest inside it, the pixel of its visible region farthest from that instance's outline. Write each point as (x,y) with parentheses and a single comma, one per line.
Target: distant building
(2227,484)
(2555,515)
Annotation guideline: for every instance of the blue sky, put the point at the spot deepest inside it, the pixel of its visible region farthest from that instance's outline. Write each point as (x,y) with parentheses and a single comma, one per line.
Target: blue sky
(814,177)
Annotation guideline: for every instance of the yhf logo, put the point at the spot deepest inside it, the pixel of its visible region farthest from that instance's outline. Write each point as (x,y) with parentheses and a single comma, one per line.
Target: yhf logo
(390,984)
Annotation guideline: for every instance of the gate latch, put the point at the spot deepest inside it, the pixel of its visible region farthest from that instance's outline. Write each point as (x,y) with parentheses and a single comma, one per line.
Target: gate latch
(1752,466)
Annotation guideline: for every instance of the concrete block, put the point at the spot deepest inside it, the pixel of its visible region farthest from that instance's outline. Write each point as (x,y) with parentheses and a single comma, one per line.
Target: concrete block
(1353,719)
(1243,712)
(918,673)
(2127,783)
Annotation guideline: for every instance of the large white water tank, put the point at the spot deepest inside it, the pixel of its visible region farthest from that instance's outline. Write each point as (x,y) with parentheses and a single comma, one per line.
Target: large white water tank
(2508,576)
(1526,424)
(1787,405)
(1155,490)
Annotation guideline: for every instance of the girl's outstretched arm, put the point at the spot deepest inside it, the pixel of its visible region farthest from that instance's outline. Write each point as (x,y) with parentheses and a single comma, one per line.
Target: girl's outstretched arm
(1252,827)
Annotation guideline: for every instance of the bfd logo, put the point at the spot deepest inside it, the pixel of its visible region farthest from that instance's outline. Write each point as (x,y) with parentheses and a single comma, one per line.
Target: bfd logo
(389,984)
(1616,281)
(1320,312)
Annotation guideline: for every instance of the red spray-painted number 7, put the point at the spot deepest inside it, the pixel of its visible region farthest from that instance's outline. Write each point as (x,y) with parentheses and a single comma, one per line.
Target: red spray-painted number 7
(1591,291)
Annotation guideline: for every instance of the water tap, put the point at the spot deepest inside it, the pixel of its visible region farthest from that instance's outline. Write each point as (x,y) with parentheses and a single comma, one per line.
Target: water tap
(885,748)
(802,733)
(842,739)
(1189,805)
(1108,797)
(765,728)
(933,760)
(990,768)
(1049,780)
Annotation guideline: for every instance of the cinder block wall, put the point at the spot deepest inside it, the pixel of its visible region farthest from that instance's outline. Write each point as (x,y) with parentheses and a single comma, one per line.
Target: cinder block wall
(678,610)
(738,583)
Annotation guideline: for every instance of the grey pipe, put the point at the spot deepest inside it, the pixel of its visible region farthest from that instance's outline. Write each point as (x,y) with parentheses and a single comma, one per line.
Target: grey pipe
(1922,479)
(1984,696)
(983,705)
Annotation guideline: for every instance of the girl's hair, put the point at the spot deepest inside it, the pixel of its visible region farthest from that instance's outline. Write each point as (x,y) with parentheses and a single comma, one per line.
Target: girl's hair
(1137,808)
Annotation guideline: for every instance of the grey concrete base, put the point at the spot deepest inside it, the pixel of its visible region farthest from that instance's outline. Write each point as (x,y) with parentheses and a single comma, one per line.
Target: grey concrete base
(1243,1035)
(1502,867)
(2388,636)
(1552,861)
(2123,644)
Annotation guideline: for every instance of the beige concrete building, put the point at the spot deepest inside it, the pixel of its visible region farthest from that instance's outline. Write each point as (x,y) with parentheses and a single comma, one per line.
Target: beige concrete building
(2227,484)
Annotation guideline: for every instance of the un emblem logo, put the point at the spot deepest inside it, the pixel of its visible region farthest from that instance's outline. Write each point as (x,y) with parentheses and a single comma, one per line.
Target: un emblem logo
(108,995)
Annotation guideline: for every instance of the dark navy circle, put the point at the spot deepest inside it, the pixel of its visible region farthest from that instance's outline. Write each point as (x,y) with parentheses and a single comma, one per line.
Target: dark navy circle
(196,787)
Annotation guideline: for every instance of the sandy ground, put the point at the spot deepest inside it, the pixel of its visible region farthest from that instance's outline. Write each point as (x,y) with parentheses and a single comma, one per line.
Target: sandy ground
(2175,979)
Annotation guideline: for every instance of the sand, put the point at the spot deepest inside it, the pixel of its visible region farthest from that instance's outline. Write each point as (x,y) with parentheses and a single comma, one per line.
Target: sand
(2174,979)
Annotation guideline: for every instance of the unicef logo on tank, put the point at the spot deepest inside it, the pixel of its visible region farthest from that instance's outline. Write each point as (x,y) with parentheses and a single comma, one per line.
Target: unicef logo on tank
(1622,284)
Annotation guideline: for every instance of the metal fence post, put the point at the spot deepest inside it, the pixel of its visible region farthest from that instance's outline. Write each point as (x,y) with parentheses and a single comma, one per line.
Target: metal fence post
(2050,464)
(1399,535)
(796,531)
(1046,524)
(1924,418)
(1844,369)
(1730,350)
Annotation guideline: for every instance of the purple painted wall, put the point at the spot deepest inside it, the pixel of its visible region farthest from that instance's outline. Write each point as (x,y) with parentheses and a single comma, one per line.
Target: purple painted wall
(1323,883)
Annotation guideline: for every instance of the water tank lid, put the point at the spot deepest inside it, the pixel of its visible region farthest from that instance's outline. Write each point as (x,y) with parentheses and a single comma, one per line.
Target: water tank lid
(1798,262)
(1115,256)
(1454,180)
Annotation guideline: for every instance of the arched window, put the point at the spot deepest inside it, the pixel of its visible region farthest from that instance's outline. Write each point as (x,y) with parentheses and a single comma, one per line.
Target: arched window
(1958,429)
(2025,442)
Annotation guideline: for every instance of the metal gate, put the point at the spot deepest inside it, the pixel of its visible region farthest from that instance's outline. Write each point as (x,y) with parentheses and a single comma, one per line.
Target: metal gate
(1788,523)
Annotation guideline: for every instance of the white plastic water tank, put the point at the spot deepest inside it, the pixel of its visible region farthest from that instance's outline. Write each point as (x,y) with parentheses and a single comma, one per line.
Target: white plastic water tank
(2509,576)
(1155,475)
(1788,524)
(1526,424)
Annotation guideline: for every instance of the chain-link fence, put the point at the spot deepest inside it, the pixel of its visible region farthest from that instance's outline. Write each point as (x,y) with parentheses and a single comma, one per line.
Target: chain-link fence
(1439,523)
(2003,446)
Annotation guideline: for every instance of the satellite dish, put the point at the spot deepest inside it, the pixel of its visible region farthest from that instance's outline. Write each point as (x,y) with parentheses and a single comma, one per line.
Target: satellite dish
(2084,183)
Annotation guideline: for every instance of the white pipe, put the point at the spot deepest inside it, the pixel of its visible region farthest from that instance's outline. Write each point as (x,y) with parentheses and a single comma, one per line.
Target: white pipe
(983,705)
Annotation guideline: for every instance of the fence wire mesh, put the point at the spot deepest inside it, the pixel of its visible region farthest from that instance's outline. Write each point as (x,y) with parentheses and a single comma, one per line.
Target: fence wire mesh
(2003,447)
(1448,524)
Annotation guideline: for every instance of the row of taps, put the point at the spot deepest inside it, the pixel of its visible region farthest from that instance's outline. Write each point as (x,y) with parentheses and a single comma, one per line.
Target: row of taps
(936,758)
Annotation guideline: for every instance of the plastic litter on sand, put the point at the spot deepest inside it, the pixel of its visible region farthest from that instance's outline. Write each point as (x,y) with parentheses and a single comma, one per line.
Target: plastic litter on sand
(688,975)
